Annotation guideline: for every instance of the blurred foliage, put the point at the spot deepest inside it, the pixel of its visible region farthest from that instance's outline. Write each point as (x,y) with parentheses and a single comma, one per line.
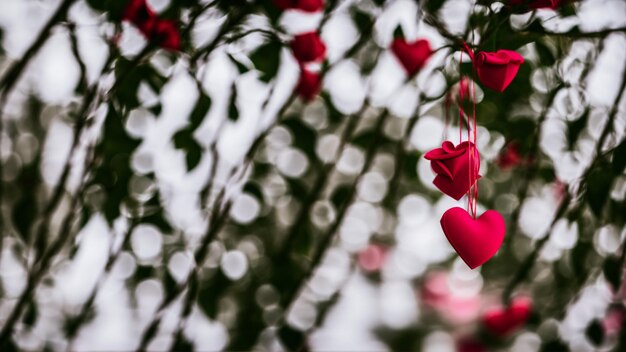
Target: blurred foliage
(301,213)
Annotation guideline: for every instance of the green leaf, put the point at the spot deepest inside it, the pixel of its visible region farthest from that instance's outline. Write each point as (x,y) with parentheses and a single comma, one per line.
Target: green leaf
(233,111)
(31,314)
(619,158)
(432,6)
(210,291)
(298,188)
(240,67)
(595,332)
(266,59)
(575,127)
(113,171)
(203,105)
(612,270)
(362,20)
(398,33)
(254,189)
(24,214)
(185,140)
(554,346)
(291,338)
(340,196)
(598,187)
(546,57)
(305,137)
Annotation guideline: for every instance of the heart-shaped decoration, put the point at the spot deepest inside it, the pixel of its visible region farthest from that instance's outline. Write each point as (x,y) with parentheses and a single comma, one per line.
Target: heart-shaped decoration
(309,85)
(497,70)
(504,321)
(456,171)
(308,47)
(475,240)
(412,56)
(302,5)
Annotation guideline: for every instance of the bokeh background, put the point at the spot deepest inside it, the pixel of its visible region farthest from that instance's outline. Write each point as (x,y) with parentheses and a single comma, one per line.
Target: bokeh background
(202,205)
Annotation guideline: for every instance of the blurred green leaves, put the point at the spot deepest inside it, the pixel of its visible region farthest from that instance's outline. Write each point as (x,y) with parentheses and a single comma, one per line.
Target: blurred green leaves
(266,59)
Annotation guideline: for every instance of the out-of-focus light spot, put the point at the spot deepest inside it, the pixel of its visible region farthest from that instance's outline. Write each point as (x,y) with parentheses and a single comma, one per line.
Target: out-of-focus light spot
(351,161)
(323,213)
(179,266)
(124,266)
(526,342)
(439,341)
(564,235)
(414,209)
(139,122)
(427,133)
(372,187)
(326,148)
(234,264)
(302,315)
(607,239)
(535,217)
(398,305)
(267,295)
(354,234)
(142,162)
(372,258)
(245,209)
(146,241)
(292,162)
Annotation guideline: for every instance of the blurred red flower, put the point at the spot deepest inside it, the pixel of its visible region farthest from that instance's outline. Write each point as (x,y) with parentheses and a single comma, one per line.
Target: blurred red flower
(162,32)
(308,47)
(539,4)
(302,5)
(510,157)
(503,321)
(309,85)
(165,34)
(140,14)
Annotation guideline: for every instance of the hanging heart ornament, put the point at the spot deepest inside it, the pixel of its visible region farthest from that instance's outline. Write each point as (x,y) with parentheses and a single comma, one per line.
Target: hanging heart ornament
(475,240)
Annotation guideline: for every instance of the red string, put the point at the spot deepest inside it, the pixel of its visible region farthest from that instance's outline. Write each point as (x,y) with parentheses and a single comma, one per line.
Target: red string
(472,193)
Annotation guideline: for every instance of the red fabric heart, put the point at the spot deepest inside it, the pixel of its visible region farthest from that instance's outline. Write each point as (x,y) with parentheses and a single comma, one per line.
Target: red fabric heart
(412,56)
(504,321)
(309,85)
(308,47)
(497,70)
(475,240)
(452,166)
(302,5)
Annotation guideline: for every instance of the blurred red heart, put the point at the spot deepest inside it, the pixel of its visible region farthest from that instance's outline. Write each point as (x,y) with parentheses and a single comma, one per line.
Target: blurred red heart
(538,4)
(308,47)
(302,5)
(412,56)
(496,70)
(504,321)
(475,240)
(309,85)
(165,34)
(456,173)
(139,13)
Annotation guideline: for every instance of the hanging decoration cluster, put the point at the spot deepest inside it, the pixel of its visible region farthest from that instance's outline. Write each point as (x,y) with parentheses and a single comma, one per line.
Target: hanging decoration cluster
(475,238)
